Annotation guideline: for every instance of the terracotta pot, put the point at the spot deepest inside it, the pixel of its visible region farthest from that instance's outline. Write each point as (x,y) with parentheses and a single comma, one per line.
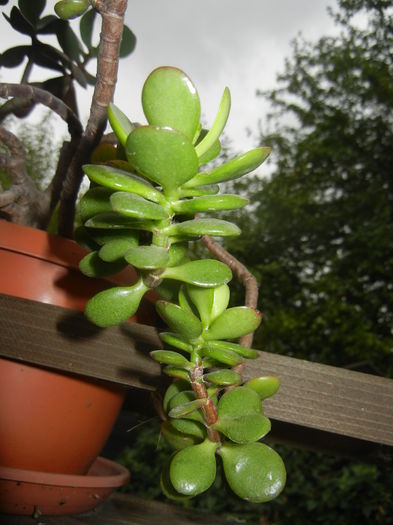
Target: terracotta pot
(50,421)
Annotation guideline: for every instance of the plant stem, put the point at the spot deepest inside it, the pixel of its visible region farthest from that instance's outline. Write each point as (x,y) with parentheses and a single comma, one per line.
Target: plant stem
(209,410)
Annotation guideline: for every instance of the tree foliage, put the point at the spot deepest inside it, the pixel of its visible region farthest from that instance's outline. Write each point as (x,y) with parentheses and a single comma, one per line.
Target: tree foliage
(321,238)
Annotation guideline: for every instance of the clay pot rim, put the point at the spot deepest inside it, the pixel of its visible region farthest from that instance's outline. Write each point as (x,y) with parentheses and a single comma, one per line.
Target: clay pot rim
(104,473)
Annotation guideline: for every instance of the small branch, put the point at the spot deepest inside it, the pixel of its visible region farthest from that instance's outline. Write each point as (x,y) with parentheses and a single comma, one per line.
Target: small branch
(112,12)
(209,410)
(29,94)
(243,274)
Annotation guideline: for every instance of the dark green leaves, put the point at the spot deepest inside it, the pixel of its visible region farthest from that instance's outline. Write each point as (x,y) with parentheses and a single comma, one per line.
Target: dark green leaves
(205,273)
(147,257)
(214,227)
(179,320)
(233,323)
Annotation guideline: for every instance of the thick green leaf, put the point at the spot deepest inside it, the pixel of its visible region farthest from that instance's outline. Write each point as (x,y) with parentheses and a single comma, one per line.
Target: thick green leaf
(183,399)
(120,180)
(120,123)
(147,257)
(169,98)
(210,302)
(233,169)
(212,152)
(184,300)
(95,201)
(174,340)
(135,206)
(115,221)
(233,323)
(116,249)
(239,401)
(223,377)
(115,305)
(67,9)
(218,125)
(244,429)
(196,227)
(198,191)
(167,357)
(189,427)
(177,439)
(93,266)
(264,386)
(105,236)
(248,353)
(225,357)
(255,472)
(193,469)
(209,203)
(177,252)
(187,409)
(205,273)
(128,42)
(175,371)
(163,155)
(167,487)
(179,320)
(173,389)
(82,236)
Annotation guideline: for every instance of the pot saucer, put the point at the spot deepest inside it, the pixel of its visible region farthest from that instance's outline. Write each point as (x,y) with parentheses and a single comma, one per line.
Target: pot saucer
(28,491)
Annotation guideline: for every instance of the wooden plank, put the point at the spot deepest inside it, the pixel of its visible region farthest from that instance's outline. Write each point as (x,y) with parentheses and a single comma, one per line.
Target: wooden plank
(314,396)
(122,509)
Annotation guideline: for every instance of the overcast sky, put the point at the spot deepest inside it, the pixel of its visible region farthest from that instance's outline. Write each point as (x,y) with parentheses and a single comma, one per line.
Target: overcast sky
(218,43)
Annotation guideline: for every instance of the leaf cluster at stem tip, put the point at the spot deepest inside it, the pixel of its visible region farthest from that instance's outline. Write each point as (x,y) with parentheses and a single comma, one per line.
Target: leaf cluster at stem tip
(140,211)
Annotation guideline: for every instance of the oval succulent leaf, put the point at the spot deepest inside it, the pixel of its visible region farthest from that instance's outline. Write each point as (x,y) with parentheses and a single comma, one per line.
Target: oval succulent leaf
(120,123)
(115,305)
(115,221)
(248,353)
(174,371)
(105,236)
(93,266)
(189,427)
(233,169)
(169,98)
(135,206)
(147,257)
(239,401)
(175,341)
(187,411)
(179,320)
(212,152)
(67,9)
(177,253)
(120,180)
(223,377)
(167,487)
(177,439)
(193,469)
(265,386)
(187,408)
(198,191)
(168,357)
(196,227)
(233,323)
(209,203)
(202,298)
(244,429)
(177,386)
(95,201)
(218,125)
(255,472)
(205,273)
(225,357)
(163,155)
(116,249)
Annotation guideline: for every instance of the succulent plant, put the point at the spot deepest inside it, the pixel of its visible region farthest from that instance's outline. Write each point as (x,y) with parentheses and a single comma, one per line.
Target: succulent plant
(140,210)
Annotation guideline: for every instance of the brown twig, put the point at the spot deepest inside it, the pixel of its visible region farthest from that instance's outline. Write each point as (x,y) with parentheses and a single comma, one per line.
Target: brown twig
(112,12)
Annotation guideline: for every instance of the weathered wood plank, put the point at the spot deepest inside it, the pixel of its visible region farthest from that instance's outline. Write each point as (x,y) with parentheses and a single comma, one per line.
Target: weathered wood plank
(122,509)
(313,396)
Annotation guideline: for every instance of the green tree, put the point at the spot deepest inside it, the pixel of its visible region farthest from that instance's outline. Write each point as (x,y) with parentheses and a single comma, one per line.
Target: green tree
(321,239)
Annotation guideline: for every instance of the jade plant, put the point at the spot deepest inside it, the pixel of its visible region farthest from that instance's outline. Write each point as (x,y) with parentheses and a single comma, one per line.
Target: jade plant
(146,202)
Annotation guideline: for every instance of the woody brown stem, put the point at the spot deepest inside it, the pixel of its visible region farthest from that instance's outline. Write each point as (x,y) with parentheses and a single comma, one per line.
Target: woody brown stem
(112,12)
(209,410)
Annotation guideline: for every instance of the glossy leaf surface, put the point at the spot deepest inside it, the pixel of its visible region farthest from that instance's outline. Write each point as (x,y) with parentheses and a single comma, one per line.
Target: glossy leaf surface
(176,372)
(67,9)
(174,388)
(196,227)
(115,305)
(162,155)
(217,127)
(225,357)
(147,257)
(95,201)
(177,253)
(189,427)
(176,439)
(264,386)
(93,266)
(116,249)
(120,180)
(120,123)
(209,203)
(193,469)
(107,235)
(233,169)
(136,206)
(248,353)
(168,357)
(167,487)
(244,428)
(205,273)
(187,409)
(169,98)
(199,191)
(233,323)
(174,340)
(115,221)
(255,472)
(239,401)
(223,377)
(179,320)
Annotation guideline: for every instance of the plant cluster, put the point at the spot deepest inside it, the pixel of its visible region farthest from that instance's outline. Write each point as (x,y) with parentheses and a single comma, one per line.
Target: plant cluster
(140,210)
